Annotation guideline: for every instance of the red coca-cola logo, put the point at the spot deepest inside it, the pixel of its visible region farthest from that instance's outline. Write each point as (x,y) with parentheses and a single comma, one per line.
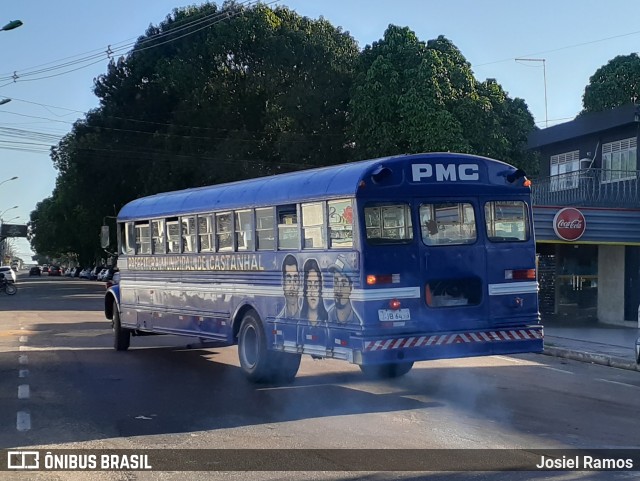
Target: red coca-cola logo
(569,224)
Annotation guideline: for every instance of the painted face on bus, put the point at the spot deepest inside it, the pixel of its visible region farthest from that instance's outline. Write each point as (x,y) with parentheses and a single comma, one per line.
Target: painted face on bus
(341,289)
(291,281)
(313,289)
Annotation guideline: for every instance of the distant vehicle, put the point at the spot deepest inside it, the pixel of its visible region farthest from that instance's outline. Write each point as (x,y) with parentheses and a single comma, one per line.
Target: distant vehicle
(9,273)
(45,269)
(54,271)
(34,271)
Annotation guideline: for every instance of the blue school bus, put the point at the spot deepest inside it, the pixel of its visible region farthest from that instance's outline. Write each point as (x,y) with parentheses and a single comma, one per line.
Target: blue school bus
(380,263)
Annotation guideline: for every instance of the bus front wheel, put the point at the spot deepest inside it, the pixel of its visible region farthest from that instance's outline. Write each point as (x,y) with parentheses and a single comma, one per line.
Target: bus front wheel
(259,363)
(121,336)
(386,371)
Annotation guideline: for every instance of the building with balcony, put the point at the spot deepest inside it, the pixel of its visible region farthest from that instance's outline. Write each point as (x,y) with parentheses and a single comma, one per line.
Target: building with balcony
(586,205)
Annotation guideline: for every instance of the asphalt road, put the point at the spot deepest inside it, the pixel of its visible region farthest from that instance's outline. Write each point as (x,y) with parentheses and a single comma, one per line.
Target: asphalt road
(166,394)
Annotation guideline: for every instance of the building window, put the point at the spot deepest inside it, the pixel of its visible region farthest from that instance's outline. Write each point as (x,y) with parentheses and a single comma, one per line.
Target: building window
(565,169)
(619,160)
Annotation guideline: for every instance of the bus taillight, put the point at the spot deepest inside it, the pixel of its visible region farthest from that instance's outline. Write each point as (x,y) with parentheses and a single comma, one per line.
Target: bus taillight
(520,274)
(374,279)
(394,304)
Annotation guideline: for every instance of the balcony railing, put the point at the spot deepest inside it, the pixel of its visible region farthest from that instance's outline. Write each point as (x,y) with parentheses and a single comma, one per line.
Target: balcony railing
(589,188)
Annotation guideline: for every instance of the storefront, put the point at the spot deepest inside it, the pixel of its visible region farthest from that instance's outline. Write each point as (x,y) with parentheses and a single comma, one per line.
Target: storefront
(588,263)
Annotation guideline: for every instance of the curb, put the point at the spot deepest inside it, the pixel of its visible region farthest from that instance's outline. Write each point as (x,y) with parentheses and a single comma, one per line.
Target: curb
(590,357)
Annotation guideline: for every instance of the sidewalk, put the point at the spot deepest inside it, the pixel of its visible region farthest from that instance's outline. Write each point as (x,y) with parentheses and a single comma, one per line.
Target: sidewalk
(592,342)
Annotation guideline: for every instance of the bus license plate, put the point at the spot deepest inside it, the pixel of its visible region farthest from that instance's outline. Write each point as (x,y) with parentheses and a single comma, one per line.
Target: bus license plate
(391,315)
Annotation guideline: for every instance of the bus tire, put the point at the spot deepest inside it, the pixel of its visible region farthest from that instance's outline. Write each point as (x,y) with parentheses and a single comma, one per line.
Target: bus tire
(386,371)
(258,362)
(10,289)
(121,336)
(288,365)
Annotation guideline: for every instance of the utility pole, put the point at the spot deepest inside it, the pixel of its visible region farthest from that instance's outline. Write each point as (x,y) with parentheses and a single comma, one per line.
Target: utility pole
(544,74)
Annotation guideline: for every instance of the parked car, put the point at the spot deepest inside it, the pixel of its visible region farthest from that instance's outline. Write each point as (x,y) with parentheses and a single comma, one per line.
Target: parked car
(54,271)
(34,271)
(9,273)
(638,350)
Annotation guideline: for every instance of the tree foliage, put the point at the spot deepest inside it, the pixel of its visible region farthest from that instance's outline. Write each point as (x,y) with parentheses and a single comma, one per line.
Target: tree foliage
(411,96)
(260,91)
(614,84)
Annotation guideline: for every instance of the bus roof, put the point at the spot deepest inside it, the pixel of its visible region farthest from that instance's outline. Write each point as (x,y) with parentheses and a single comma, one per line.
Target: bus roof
(337,181)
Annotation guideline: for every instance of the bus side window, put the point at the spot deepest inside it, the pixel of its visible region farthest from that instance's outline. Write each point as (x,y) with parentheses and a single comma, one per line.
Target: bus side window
(244,230)
(173,236)
(447,223)
(388,224)
(157,236)
(143,238)
(224,231)
(506,221)
(313,226)
(265,236)
(189,234)
(205,233)
(340,223)
(129,242)
(288,235)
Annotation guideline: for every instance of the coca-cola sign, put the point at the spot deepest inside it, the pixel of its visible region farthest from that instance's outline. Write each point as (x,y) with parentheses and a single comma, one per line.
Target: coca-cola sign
(569,224)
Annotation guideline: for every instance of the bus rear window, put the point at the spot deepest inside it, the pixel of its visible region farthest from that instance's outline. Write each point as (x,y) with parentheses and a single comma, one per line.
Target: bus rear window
(447,223)
(388,224)
(507,221)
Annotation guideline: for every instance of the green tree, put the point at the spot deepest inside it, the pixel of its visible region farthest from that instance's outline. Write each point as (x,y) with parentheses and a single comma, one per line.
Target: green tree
(614,84)
(410,96)
(259,91)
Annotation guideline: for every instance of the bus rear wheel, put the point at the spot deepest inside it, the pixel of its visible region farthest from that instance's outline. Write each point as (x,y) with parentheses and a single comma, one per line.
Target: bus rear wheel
(259,363)
(121,336)
(387,371)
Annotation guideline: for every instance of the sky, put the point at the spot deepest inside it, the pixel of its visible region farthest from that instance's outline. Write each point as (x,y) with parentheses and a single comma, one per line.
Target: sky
(568,41)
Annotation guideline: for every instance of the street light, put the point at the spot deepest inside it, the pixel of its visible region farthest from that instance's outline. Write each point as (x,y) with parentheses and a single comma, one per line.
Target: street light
(4,101)
(13,218)
(10,208)
(12,24)
(12,178)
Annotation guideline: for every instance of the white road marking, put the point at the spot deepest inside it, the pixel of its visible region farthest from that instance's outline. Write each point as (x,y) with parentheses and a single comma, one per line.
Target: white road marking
(516,361)
(23,391)
(23,421)
(558,370)
(619,383)
(23,359)
(24,339)
(23,373)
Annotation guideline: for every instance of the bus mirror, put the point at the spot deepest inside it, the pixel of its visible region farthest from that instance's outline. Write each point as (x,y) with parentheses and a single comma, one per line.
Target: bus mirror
(104,236)
(513,176)
(380,174)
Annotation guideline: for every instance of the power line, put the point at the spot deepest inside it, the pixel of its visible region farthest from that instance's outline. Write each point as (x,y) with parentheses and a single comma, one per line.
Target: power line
(559,48)
(92,59)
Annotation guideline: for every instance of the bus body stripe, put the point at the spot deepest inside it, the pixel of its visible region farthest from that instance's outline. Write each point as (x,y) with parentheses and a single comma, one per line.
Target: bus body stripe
(456,338)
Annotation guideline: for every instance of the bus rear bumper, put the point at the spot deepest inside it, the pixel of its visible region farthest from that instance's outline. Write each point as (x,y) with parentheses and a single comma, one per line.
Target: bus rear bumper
(429,346)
